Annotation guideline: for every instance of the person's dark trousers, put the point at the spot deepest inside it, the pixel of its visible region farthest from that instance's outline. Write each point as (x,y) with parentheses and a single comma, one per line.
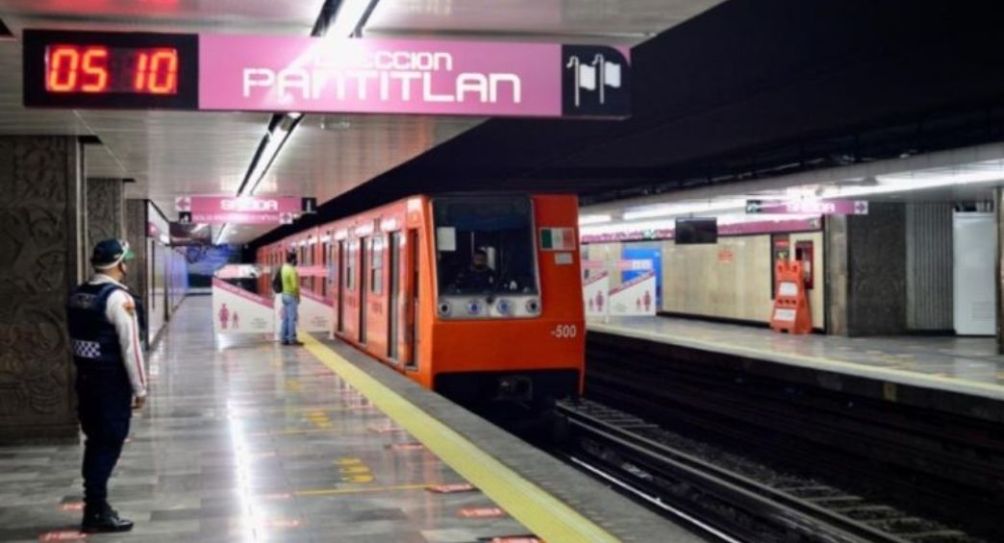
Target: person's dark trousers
(105,407)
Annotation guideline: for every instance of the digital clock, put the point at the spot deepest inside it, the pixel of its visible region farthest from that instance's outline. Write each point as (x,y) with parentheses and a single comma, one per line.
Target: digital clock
(110,70)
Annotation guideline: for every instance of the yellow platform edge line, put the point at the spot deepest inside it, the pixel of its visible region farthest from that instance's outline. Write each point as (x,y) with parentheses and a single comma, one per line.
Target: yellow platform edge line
(543,514)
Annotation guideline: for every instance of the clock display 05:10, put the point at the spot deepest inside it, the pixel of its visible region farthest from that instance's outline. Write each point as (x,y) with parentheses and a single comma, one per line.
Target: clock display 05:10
(97,69)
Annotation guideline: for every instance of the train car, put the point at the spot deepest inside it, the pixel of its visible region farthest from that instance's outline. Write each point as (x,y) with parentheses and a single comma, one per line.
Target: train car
(406,291)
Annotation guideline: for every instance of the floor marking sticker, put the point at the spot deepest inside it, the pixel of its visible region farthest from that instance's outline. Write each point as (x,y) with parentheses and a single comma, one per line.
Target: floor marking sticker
(62,535)
(407,446)
(481,512)
(452,488)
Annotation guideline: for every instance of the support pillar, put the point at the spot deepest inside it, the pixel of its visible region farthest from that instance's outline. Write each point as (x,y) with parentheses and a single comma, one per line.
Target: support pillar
(999,214)
(835,242)
(105,209)
(136,232)
(866,272)
(41,240)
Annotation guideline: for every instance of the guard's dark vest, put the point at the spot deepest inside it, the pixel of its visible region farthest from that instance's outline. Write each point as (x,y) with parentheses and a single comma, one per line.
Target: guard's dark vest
(93,338)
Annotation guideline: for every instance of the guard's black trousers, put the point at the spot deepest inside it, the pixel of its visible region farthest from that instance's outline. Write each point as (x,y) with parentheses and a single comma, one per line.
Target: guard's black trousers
(105,409)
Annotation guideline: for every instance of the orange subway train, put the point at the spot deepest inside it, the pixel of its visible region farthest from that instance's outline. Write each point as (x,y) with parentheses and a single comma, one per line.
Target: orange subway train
(478,297)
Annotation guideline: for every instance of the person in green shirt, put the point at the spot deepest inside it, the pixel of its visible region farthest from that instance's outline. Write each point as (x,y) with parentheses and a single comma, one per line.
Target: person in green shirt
(290,300)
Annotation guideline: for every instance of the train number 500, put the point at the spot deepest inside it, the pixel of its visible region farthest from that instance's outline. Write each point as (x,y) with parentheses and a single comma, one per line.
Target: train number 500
(565,331)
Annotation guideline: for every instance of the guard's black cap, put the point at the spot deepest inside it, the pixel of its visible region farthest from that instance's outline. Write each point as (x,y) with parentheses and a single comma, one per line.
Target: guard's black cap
(108,253)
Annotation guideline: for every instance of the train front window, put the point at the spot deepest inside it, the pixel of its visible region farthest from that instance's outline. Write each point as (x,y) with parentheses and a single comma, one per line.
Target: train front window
(484,245)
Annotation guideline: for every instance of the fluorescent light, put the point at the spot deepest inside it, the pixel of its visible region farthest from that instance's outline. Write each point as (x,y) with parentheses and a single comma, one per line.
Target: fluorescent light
(614,228)
(670,224)
(967,174)
(683,208)
(294,115)
(223,232)
(350,13)
(594,219)
(275,141)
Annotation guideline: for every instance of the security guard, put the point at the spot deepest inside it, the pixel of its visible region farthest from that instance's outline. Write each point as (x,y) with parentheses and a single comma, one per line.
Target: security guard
(111,379)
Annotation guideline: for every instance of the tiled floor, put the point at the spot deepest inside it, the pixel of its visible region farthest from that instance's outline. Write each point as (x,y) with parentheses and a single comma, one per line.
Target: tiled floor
(248,441)
(966,365)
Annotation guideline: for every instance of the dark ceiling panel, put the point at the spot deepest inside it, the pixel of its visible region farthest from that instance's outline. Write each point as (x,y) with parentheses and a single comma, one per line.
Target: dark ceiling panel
(748,78)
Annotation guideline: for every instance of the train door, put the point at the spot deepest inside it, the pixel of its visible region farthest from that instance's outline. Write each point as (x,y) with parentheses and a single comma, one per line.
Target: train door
(342,277)
(411,301)
(364,246)
(393,301)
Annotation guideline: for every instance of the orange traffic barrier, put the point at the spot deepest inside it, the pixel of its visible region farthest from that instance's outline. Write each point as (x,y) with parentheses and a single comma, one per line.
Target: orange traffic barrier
(791,307)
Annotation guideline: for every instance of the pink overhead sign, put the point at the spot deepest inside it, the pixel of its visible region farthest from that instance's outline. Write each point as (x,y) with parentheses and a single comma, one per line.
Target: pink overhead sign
(239,210)
(302,74)
(808,207)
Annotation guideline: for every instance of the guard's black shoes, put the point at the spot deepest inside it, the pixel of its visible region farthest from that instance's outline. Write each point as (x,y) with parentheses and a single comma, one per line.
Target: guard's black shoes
(105,522)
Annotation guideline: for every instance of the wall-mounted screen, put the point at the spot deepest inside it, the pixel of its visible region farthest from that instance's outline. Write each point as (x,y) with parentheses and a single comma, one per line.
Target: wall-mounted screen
(190,234)
(696,230)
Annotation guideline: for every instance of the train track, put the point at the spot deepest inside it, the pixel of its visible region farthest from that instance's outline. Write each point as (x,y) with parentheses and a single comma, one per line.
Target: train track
(731,497)
(940,459)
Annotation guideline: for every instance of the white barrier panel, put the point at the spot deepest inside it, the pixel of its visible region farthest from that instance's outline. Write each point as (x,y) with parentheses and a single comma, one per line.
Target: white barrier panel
(595,297)
(316,313)
(277,317)
(237,311)
(635,297)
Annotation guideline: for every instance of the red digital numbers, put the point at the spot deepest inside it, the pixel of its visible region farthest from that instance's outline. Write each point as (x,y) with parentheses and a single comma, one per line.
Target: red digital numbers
(64,69)
(156,72)
(98,69)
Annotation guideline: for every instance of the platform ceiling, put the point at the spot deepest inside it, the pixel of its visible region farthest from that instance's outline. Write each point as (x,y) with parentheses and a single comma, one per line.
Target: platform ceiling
(746,90)
(175,153)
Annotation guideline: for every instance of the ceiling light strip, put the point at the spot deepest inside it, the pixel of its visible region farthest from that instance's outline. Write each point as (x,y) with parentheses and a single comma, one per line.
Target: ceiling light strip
(272,143)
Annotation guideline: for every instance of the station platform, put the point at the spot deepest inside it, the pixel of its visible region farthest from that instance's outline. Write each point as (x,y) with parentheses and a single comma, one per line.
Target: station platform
(964,366)
(245,440)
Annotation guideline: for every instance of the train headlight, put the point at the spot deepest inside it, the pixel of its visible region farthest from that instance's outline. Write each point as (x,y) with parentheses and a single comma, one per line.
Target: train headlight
(474,307)
(532,306)
(444,309)
(504,307)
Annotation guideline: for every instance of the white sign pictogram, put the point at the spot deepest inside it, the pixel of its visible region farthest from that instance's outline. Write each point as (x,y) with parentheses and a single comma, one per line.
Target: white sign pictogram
(595,76)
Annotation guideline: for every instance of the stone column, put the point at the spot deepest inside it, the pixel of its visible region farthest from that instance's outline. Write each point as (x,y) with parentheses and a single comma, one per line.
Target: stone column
(835,241)
(41,240)
(136,231)
(105,209)
(866,272)
(999,213)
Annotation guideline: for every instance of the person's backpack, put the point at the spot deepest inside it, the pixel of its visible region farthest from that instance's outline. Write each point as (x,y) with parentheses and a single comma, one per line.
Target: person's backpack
(277,281)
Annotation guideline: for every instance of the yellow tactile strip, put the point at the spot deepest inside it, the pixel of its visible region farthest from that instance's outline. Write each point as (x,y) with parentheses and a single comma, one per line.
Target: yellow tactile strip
(543,514)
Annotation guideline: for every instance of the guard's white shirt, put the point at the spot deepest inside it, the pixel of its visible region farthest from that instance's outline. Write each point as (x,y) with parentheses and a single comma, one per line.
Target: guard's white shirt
(121,312)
